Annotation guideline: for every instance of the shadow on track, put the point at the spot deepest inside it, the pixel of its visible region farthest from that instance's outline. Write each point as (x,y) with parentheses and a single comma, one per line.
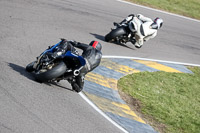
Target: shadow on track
(22,71)
(58,85)
(100,37)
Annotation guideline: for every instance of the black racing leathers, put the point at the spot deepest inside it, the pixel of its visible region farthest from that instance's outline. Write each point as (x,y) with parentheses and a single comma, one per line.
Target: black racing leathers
(90,54)
(93,59)
(63,47)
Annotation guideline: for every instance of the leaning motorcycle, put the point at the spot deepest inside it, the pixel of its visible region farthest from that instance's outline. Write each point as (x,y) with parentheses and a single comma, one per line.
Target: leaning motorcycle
(120,34)
(64,67)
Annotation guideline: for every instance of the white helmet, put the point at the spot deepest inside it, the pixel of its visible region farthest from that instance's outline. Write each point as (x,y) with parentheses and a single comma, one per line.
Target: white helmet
(159,22)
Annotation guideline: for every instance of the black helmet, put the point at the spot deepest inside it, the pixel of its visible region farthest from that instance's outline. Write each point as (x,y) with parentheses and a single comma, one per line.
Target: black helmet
(96,45)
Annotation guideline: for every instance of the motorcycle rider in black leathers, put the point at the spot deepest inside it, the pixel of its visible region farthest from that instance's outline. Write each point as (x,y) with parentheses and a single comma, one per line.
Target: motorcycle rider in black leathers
(91,53)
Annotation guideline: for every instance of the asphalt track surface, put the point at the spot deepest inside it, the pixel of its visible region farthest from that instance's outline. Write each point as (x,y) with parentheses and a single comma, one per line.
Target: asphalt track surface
(28,27)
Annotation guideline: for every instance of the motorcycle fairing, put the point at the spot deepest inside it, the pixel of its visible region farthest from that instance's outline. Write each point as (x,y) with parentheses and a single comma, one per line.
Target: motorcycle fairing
(51,49)
(80,58)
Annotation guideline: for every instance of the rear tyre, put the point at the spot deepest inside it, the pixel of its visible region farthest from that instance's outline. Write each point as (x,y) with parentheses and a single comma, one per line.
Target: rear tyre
(45,75)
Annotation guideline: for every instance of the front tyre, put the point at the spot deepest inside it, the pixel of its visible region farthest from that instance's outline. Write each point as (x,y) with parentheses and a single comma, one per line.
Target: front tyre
(115,33)
(108,38)
(44,75)
(29,67)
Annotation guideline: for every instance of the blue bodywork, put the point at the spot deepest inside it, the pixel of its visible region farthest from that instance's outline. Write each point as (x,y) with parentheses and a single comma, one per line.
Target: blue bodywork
(81,59)
(51,49)
(67,54)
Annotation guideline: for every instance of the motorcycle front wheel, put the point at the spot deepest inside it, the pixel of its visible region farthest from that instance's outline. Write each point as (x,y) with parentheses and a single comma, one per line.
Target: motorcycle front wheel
(110,37)
(54,71)
(29,67)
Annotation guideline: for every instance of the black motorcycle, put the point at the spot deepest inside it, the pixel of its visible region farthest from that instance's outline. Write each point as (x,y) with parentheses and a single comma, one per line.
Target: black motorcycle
(64,67)
(121,34)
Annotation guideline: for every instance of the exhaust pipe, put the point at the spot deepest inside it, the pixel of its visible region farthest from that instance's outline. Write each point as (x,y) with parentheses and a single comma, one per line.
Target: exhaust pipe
(77,71)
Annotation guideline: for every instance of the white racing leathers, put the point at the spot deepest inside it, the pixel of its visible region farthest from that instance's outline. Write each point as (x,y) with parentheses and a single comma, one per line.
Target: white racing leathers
(142,27)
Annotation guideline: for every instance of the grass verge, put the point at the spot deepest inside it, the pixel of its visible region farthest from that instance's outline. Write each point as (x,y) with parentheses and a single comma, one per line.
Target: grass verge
(189,8)
(171,99)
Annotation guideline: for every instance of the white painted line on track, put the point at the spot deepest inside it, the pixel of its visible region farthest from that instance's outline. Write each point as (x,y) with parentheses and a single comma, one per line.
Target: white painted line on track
(101,112)
(159,10)
(138,58)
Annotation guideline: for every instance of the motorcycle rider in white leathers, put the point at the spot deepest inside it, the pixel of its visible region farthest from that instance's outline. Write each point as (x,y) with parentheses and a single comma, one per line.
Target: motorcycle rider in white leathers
(143,27)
